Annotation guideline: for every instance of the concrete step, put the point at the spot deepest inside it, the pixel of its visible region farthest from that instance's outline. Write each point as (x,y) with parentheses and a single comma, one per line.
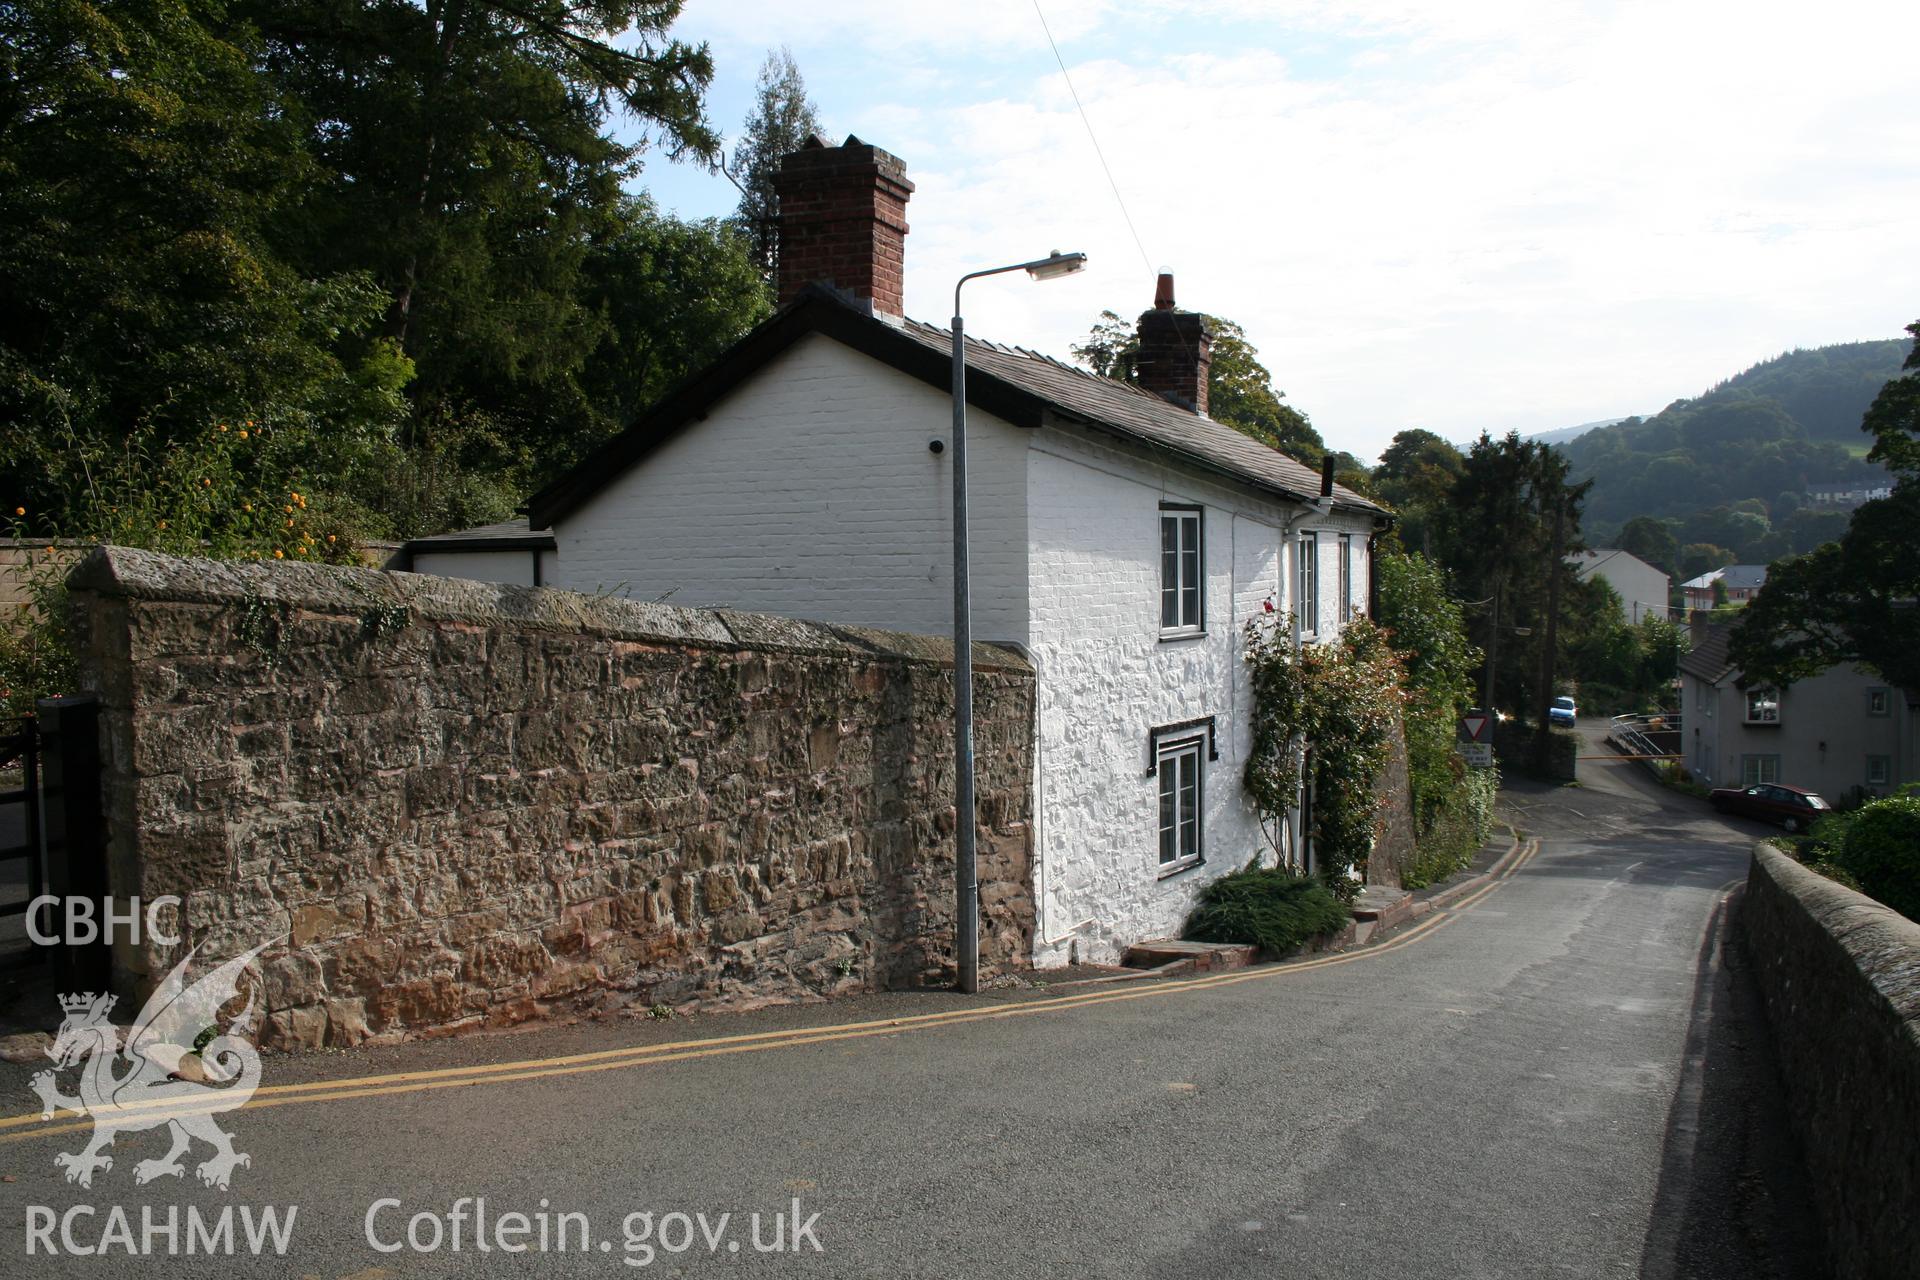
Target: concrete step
(1201,957)
(1383,907)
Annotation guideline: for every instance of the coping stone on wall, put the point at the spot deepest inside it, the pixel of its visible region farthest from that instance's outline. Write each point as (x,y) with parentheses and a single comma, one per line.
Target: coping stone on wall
(344,589)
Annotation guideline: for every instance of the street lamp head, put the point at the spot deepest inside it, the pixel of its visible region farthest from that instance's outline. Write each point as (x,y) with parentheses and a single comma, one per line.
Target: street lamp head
(1056,264)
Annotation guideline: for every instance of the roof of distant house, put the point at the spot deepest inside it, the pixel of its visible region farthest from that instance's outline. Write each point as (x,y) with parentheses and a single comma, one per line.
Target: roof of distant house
(506,535)
(1593,558)
(1707,659)
(1021,386)
(1737,577)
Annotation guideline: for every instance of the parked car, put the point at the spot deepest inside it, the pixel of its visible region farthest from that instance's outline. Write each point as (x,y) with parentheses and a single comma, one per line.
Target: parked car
(1794,808)
(1562,711)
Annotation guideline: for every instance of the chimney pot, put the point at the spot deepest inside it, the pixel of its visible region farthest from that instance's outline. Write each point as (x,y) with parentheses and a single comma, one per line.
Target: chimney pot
(1163,292)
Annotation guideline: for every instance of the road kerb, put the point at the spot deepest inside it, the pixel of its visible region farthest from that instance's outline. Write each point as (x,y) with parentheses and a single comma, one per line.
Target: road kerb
(1453,893)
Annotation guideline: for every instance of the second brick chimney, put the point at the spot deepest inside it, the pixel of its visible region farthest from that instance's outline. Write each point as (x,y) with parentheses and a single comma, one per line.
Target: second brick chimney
(1176,350)
(843,222)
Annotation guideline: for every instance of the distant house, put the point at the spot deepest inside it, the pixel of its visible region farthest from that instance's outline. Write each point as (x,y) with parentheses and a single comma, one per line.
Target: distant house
(1845,495)
(1846,729)
(1120,538)
(1741,581)
(1642,589)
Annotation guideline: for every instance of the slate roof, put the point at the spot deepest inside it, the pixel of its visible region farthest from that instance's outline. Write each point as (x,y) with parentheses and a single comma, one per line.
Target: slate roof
(1707,660)
(1748,577)
(1021,386)
(507,535)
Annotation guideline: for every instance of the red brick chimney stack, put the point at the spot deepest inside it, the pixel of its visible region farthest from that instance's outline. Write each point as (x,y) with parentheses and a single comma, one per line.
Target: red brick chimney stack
(843,222)
(1176,350)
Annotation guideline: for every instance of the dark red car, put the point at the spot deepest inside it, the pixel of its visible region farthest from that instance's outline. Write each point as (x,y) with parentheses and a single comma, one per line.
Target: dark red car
(1794,808)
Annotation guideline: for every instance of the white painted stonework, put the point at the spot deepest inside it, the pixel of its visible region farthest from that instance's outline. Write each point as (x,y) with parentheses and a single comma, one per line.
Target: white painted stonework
(1107,679)
(810,491)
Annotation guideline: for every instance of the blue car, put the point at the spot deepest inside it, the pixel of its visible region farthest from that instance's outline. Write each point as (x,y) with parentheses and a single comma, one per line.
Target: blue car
(1561,712)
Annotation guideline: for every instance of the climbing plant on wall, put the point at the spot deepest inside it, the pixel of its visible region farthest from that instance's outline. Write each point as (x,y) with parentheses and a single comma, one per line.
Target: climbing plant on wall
(1342,700)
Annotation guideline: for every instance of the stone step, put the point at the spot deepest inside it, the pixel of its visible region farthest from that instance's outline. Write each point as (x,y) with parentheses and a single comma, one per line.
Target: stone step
(1384,908)
(1201,957)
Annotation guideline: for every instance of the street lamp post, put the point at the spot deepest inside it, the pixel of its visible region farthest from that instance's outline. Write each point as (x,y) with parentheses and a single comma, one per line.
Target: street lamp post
(966,920)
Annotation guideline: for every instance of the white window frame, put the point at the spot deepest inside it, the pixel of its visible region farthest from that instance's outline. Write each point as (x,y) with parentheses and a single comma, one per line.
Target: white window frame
(1180,772)
(1759,770)
(1757,695)
(1183,581)
(1346,578)
(1306,582)
(1879,702)
(1879,771)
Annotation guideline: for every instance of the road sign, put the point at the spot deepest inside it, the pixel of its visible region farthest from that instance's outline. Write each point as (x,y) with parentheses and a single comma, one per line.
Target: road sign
(1476,728)
(1477,754)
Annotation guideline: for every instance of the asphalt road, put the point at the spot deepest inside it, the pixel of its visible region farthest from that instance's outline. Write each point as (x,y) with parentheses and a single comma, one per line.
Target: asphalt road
(1564,1077)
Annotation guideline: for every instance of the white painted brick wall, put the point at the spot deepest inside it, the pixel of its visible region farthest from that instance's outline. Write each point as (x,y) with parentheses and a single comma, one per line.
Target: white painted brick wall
(1107,679)
(810,492)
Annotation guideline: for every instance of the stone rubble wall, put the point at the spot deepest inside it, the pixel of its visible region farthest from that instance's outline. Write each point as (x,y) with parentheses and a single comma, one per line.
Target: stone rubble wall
(466,804)
(1840,977)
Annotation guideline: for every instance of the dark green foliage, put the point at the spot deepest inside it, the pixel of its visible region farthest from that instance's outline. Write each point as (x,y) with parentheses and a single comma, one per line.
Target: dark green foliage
(1881,851)
(1852,600)
(398,235)
(1415,477)
(1761,434)
(1497,538)
(1269,907)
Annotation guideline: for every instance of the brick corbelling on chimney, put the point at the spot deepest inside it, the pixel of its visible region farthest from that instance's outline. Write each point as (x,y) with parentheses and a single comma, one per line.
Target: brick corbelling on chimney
(1176,351)
(843,223)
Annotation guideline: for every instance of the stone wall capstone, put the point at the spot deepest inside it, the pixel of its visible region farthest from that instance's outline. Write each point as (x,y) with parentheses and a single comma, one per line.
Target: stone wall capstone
(466,804)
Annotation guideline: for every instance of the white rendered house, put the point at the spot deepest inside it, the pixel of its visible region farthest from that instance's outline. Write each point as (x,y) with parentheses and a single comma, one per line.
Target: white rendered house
(1120,538)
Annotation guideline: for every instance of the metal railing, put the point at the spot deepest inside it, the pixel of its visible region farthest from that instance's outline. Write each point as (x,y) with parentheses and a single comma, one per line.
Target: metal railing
(1655,736)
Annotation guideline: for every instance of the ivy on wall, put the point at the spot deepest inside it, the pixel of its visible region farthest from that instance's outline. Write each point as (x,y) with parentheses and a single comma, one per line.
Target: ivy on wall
(1342,701)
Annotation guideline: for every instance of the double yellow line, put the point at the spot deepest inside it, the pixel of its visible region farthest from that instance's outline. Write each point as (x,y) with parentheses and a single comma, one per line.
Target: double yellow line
(20,1128)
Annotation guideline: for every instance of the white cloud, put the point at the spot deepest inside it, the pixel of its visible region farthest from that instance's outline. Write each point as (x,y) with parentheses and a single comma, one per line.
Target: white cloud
(1447,215)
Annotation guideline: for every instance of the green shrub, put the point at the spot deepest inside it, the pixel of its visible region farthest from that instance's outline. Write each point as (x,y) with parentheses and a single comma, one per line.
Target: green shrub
(1270,907)
(1461,825)
(1882,852)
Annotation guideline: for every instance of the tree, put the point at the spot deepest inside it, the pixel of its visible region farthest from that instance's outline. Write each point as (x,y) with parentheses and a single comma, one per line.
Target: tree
(1504,536)
(674,295)
(1240,391)
(1653,541)
(144,171)
(782,119)
(1415,477)
(1858,599)
(469,172)
(1427,628)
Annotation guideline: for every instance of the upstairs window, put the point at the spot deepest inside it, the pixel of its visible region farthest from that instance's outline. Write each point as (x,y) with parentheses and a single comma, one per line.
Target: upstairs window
(1879,702)
(1180,570)
(1763,706)
(1308,597)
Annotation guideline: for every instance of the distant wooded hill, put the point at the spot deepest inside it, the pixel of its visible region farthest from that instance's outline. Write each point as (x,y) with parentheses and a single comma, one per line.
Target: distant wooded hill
(1731,468)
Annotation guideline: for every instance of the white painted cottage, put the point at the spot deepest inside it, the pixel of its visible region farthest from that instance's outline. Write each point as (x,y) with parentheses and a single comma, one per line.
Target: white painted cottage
(1120,539)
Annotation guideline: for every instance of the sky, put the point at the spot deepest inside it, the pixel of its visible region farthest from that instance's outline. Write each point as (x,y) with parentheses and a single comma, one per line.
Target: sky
(1466,215)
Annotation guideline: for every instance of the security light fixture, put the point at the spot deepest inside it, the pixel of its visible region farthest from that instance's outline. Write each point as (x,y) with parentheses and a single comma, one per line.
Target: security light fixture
(1055,265)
